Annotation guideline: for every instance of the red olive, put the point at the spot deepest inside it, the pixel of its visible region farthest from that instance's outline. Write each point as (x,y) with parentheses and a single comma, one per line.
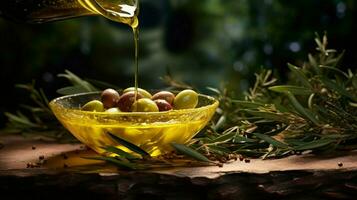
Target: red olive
(110,98)
(126,101)
(165,95)
(163,105)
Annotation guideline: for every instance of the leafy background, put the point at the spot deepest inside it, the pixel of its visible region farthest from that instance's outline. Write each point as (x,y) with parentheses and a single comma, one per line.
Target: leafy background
(203,43)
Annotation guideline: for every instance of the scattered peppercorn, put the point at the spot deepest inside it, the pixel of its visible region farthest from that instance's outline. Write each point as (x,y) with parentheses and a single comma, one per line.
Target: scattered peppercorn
(340,164)
(65,166)
(65,157)
(33,147)
(32,165)
(41,157)
(241,158)
(246,160)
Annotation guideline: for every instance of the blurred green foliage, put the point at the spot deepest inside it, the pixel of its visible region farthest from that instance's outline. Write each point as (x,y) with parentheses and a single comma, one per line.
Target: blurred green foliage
(203,43)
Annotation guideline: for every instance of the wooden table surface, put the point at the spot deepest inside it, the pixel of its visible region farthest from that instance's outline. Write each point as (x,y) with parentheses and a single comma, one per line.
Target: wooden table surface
(65,160)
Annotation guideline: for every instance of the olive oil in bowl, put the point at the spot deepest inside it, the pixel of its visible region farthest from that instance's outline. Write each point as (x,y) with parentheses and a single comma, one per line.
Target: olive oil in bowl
(152,131)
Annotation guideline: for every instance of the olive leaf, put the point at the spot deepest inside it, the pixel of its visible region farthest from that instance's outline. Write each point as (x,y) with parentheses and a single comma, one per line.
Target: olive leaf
(271,140)
(129,145)
(119,152)
(189,152)
(119,163)
(314,144)
(296,90)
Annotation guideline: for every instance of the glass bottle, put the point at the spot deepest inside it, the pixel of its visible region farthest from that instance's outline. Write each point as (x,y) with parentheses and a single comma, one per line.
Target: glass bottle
(40,11)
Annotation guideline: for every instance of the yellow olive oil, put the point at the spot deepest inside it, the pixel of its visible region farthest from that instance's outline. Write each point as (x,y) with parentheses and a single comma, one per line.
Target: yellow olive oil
(153,138)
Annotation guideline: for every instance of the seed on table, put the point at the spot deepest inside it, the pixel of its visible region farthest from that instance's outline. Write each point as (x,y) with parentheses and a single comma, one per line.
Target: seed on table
(65,157)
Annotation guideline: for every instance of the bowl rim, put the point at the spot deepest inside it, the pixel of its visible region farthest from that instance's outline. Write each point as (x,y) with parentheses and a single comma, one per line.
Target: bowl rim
(54,103)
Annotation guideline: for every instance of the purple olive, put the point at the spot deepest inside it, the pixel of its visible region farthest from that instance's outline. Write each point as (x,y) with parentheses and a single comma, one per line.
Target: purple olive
(165,95)
(126,101)
(163,105)
(110,98)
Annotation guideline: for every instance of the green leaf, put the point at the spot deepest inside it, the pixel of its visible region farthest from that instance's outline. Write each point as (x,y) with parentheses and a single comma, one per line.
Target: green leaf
(301,109)
(334,69)
(218,149)
(247,104)
(300,75)
(313,144)
(189,152)
(21,119)
(271,140)
(221,121)
(118,163)
(223,138)
(102,84)
(240,139)
(337,88)
(297,90)
(313,64)
(72,90)
(215,90)
(129,145)
(120,152)
(75,80)
(269,115)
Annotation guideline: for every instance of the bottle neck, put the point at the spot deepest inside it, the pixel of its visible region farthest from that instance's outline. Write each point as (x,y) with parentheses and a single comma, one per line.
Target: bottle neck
(40,11)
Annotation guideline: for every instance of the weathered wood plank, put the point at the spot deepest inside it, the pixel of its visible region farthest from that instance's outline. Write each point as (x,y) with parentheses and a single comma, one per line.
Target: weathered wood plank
(68,176)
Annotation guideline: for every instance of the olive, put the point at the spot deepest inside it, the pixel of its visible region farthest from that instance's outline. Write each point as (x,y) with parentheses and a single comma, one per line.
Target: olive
(165,95)
(126,101)
(143,92)
(145,105)
(110,98)
(186,99)
(113,110)
(95,105)
(163,105)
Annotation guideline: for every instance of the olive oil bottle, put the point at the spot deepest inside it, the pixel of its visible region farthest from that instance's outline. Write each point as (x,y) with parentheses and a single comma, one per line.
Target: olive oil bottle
(41,11)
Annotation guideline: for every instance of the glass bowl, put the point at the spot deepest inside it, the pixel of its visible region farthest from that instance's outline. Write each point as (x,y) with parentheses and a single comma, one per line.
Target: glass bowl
(152,131)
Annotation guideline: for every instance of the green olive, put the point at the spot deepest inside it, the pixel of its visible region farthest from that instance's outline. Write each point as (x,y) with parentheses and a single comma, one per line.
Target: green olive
(143,92)
(165,95)
(145,105)
(113,110)
(110,98)
(126,101)
(95,105)
(186,99)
